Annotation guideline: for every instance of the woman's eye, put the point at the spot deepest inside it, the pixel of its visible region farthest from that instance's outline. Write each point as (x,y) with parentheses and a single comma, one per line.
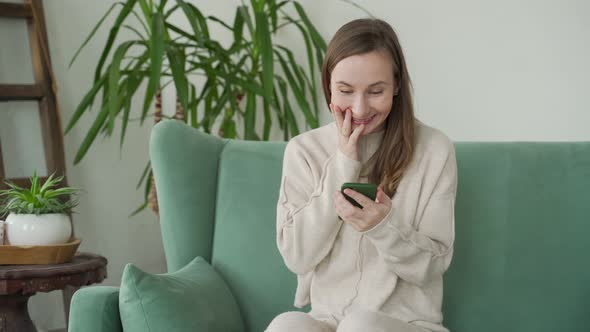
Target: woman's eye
(345,92)
(376,92)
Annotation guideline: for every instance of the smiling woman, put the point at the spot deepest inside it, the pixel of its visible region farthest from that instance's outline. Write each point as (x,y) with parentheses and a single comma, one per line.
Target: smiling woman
(378,267)
(364,83)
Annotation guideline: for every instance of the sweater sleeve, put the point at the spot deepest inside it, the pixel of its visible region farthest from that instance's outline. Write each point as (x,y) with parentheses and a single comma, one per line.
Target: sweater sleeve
(307,223)
(418,255)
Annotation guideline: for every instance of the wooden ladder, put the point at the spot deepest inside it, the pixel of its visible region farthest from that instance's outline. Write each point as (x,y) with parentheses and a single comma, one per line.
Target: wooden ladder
(43,91)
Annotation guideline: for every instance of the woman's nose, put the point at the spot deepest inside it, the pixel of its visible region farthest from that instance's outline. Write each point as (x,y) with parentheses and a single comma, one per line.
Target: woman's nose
(360,107)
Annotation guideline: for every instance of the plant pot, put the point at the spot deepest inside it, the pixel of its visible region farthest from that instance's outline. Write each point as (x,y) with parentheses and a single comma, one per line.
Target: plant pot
(42,229)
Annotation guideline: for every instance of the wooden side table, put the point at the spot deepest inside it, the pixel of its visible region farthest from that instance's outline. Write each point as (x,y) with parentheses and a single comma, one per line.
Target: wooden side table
(19,282)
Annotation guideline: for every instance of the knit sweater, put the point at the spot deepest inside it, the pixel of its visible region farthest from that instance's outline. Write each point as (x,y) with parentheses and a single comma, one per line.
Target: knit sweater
(395,267)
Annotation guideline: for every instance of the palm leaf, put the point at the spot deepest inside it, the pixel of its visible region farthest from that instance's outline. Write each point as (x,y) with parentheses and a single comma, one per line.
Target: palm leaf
(114,75)
(92,32)
(265,44)
(176,58)
(156,59)
(112,35)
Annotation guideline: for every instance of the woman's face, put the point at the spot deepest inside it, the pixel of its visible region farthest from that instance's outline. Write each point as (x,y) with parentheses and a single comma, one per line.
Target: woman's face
(364,83)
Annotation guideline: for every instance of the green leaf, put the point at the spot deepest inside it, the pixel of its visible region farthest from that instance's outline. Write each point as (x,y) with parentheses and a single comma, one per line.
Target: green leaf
(156,59)
(246,16)
(238,27)
(148,186)
(251,86)
(196,20)
(176,58)
(211,91)
(139,209)
(142,22)
(301,101)
(137,33)
(272,5)
(290,119)
(250,116)
(193,106)
(276,102)
(132,85)
(144,174)
(34,184)
(162,5)
(146,9)
(48,183)
(263,35)
(114,75)
(311,64)
(258,5)
(112,35)
(295,68)
(220,103)
(93,32)
(85,103)
(267,120)
(146,193)
(223,24)
(315,36)
(171,10)
(229,128)
(180,31)
(91,135)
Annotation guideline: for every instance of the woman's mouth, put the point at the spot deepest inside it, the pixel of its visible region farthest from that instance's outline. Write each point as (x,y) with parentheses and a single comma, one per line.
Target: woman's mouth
(359,122)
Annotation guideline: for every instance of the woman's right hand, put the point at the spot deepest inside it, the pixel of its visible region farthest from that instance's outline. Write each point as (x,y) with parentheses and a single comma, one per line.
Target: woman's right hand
(347,138)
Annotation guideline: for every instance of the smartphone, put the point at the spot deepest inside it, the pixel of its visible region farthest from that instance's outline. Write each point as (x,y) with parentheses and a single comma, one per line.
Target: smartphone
(367,189)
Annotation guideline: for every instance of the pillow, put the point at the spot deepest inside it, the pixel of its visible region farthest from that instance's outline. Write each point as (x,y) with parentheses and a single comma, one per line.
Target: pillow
(194,298)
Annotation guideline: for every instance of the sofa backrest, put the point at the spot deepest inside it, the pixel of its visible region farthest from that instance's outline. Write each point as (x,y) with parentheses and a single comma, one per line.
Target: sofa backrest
(522,236)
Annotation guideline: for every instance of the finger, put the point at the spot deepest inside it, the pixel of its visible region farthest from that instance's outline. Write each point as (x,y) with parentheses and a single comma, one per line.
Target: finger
(345,205)
(356,134)
(347,122)
(338,115)
(360,198)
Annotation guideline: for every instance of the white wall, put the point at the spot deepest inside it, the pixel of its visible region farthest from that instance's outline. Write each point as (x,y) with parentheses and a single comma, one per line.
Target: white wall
(482,71)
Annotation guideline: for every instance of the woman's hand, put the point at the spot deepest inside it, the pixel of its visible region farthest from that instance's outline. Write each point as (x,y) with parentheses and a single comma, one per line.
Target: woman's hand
(367,217)
(347,141)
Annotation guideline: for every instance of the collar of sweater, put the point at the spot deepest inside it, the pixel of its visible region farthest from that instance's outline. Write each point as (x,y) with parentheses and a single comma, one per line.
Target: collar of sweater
(368,144)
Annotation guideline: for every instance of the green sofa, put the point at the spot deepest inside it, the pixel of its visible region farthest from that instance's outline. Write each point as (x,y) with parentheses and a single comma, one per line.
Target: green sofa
(522,231)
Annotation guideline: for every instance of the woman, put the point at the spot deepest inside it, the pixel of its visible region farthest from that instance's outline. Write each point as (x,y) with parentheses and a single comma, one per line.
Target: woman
(378,268)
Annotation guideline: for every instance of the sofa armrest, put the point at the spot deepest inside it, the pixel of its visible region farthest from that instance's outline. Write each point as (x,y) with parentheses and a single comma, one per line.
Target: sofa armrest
(95,309)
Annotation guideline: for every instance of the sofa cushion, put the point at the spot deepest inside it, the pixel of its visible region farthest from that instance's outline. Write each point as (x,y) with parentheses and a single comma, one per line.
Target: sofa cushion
(244,242)
(194,298)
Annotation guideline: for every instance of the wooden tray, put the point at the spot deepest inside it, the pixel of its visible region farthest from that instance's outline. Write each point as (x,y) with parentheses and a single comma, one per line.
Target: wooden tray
(51,254)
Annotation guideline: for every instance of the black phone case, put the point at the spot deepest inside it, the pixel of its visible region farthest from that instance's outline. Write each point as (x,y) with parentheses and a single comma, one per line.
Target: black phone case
(367,189)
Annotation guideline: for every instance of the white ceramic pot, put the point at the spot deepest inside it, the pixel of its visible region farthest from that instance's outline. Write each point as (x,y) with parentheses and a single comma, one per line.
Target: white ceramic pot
(37,230)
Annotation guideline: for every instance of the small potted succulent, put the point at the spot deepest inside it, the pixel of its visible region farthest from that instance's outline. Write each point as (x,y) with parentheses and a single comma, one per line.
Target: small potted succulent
(38,215)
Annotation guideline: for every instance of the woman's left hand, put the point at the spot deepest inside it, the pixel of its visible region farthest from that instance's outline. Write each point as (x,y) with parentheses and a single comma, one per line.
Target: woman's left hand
(366,218)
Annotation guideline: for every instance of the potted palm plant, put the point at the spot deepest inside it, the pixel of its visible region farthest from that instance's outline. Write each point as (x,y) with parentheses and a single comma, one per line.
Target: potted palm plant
(216,85)
(39,215)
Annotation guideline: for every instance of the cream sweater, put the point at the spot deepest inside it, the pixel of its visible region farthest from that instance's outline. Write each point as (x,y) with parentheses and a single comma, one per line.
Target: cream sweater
(397,266)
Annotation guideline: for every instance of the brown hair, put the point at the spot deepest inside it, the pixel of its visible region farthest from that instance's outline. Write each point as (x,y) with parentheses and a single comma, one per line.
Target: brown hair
(395,152)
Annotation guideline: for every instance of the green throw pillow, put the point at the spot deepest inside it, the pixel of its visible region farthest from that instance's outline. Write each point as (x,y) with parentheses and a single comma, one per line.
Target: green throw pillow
(192,299)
